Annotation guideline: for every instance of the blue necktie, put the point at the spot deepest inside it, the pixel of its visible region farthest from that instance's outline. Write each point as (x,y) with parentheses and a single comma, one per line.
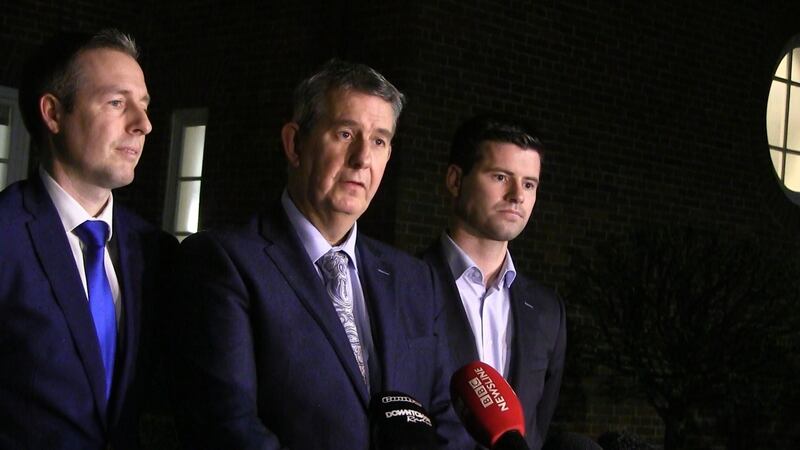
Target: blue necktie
(94,234)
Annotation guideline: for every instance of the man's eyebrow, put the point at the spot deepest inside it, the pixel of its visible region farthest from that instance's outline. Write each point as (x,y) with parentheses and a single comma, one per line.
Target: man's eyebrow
(512,173)
(353,123)
(385,132)
(120,90)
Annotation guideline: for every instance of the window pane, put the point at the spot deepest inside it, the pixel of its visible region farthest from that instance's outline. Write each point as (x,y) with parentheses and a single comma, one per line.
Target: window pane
(187,210)
(5,115)
(783,67)
(5,141)
(793,132)
(792,178)
(3,175)
(776,113)
(777,161)
(796,64)
(194,139)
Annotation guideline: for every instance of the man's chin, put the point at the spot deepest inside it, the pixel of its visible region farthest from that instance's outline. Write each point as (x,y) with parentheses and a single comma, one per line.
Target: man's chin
(119,181)
(350,206)
(505,233)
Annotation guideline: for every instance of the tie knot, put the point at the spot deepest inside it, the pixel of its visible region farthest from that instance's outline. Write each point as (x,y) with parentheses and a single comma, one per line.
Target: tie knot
(333,264)
(93,233)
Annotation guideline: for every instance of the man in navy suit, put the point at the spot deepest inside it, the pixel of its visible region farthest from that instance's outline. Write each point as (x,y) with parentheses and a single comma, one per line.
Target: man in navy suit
(492,312)
(293,320)
(73,310)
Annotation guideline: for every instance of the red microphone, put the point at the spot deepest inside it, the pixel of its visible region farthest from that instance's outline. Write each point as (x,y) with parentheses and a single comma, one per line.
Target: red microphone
(488,407)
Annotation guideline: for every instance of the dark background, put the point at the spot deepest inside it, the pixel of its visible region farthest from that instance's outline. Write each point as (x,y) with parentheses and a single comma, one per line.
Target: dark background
(653,113)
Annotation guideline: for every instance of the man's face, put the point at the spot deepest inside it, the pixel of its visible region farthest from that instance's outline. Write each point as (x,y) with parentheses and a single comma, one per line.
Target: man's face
(341,161)
(495,199)
(100,141)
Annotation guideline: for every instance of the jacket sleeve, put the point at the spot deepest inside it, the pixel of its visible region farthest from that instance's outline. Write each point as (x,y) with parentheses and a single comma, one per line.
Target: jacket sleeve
(451,433)
(215,375)
(555,371)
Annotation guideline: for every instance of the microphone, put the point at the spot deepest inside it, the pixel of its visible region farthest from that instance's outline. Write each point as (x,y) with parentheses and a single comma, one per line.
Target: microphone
(399,422)
(488,407)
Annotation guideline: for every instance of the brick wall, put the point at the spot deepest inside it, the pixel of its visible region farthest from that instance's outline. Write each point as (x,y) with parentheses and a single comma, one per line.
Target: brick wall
(653,113)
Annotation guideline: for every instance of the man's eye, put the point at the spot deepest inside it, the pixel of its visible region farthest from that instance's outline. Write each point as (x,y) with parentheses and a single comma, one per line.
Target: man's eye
(380,142)
(116,103)
(345,134)
(530,186)
(500,177)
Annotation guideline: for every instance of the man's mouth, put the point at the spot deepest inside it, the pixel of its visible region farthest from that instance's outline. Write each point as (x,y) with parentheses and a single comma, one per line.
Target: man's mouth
(129,151)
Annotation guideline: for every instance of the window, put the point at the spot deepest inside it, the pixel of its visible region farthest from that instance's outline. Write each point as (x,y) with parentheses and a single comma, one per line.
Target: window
(182,203)
(13,139)
(783,121)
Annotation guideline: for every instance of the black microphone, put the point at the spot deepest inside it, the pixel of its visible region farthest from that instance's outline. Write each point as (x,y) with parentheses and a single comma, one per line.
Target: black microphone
(399,422)
(511,440)
(488,407)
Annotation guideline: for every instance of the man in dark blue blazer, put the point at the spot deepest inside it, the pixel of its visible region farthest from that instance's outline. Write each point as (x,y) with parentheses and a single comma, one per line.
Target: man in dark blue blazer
(276,352)
(64,384)
(492,312)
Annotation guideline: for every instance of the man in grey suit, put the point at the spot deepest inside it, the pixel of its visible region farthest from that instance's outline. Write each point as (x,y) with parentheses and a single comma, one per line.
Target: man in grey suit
(493,313)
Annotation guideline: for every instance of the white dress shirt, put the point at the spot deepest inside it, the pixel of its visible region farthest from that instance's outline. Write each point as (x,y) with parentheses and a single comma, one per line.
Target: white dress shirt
(72,215)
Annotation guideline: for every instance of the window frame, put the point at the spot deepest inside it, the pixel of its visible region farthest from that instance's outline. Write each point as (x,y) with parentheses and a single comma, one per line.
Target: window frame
(181,119)
(19,148)
(784,150)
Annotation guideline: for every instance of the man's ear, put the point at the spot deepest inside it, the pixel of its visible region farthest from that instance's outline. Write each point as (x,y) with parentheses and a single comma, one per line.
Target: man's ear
(52,112)
(452,180)
(290,135)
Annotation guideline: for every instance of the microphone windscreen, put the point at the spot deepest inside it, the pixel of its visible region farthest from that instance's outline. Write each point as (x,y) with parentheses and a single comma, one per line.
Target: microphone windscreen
(399,422)
(486,403)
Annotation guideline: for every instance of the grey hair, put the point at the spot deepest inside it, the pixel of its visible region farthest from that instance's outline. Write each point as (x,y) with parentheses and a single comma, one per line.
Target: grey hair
(309,96)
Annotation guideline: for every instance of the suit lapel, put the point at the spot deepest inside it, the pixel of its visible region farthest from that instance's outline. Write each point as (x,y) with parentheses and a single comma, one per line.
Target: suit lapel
(459,333)
(53,250)
(526,327)
(129,274)
(378,283)
(289,256)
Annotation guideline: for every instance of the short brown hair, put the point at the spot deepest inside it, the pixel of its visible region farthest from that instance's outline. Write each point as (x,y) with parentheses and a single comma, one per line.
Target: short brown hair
(52,69)
(465,150)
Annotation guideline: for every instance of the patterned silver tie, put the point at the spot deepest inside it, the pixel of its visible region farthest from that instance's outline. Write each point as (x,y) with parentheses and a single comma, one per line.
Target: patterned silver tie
(334,269)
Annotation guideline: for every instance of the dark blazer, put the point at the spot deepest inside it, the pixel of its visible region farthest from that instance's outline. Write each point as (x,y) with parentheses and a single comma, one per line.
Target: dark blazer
(263,360)
(537,347)
(51,373)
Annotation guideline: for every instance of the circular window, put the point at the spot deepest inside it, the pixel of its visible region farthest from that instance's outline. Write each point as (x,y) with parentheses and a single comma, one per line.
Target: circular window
(783,121)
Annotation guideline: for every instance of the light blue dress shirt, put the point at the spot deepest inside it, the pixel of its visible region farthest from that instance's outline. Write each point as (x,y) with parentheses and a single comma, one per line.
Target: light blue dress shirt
(316,246)
(488,308)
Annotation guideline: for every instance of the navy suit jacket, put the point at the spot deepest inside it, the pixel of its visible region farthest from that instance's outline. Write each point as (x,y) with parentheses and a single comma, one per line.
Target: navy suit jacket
(52,379)
(263,360)
(537,347)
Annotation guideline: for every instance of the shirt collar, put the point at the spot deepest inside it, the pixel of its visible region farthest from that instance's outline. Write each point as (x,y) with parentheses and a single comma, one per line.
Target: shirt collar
(313,242)
(69,210)
(459,263)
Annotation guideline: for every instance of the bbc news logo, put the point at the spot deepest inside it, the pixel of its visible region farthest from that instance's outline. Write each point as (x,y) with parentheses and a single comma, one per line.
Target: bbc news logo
(486,390)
